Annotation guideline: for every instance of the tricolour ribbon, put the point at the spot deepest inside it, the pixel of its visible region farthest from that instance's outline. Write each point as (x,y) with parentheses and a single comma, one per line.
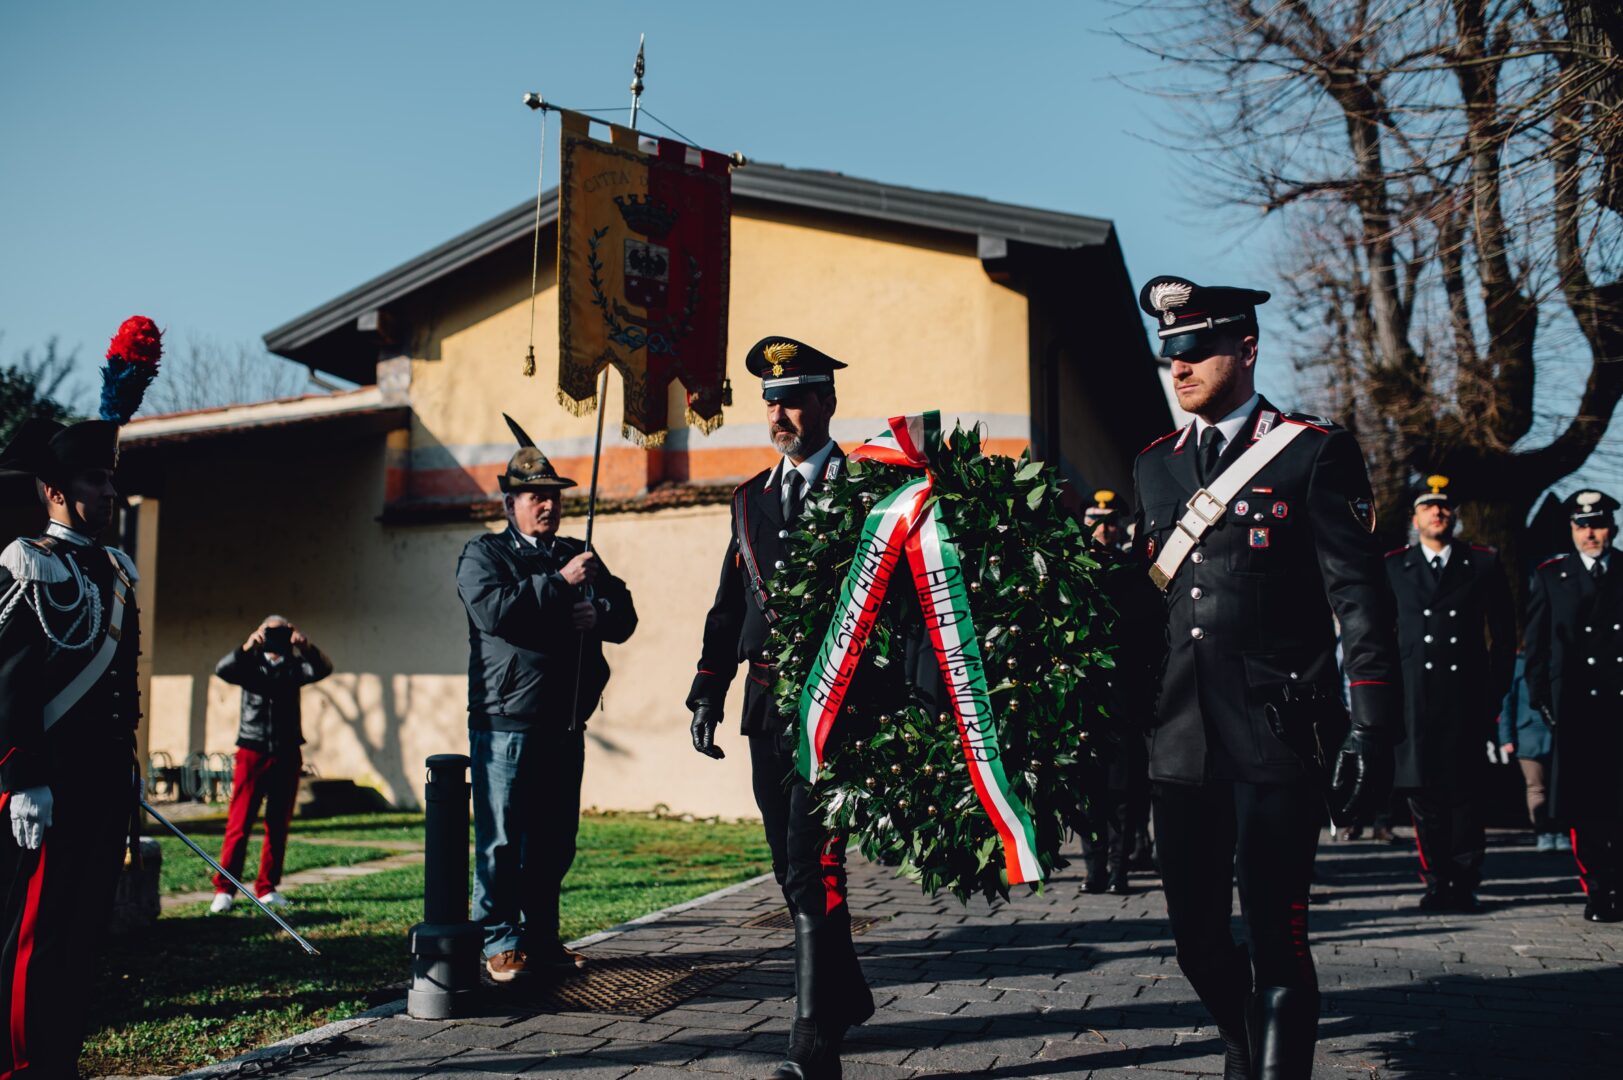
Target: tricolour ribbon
(900,522)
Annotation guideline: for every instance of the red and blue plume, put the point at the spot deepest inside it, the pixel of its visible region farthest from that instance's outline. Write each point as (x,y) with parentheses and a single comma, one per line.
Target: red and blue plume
(132,364)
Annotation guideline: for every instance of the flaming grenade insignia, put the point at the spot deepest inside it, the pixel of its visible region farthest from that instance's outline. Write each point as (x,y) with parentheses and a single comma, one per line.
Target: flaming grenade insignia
(778,354)
(1168,295)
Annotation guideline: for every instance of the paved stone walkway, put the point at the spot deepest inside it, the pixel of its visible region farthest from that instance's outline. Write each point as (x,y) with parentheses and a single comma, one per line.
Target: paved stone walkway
(1073,985)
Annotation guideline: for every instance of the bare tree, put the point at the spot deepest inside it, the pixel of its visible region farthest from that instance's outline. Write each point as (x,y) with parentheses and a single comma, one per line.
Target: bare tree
(1450,173)
(204,374)
(36,385)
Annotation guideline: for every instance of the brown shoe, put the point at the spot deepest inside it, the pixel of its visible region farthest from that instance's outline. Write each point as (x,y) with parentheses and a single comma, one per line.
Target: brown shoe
(506,966)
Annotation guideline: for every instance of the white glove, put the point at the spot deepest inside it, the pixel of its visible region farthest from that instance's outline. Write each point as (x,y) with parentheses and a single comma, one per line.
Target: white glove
(30,816)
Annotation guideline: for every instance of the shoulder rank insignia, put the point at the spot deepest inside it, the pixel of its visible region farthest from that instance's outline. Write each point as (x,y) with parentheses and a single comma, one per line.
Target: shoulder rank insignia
(34,560)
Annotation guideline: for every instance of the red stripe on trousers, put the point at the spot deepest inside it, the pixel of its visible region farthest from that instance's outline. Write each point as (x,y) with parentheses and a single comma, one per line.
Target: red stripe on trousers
(1424,865)
(1583,871)
(19,979)
(833,887)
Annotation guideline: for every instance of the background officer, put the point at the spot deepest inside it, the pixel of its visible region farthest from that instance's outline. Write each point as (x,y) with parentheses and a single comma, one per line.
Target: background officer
(540,606)
(797,383)
(1457,636)
(1105,521)
(1249,613)
(1574,674)
(69,706)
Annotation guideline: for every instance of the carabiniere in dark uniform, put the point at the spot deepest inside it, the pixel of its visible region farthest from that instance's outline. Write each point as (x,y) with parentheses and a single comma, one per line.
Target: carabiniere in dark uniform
(831,993)
(1574,649)
(1457,637)
(1249,710)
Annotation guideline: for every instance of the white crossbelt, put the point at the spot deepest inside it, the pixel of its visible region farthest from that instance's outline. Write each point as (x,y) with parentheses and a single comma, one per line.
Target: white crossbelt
(58,707)
(1208,505)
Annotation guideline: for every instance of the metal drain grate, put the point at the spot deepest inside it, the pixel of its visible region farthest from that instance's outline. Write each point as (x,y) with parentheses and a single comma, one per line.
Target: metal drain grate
(782,920)
(632,985)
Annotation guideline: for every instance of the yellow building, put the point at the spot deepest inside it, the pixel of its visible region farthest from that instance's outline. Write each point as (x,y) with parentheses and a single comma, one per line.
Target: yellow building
(346,512)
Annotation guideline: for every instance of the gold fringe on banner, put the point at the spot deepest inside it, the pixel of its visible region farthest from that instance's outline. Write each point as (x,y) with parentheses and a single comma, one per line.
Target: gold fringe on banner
(641,441)
(581,407)
(705,426)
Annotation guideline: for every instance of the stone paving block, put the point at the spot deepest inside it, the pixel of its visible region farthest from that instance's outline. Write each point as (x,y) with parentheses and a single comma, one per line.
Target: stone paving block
(564,1023)
(670,1054)
(954,1060)
(551,1042)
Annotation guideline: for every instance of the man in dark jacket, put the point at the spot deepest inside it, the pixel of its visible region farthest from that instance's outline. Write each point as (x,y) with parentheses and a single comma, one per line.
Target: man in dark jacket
(1258,525)
(1575,678)
(1457,636)
(797,384)
(540,606)
(271,667)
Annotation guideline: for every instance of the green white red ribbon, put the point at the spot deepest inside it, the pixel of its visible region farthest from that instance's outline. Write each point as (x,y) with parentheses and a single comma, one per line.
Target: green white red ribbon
(899,522)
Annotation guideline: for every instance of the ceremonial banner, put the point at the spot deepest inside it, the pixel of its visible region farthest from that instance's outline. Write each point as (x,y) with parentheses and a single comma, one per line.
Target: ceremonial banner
(909,520)
(644,240)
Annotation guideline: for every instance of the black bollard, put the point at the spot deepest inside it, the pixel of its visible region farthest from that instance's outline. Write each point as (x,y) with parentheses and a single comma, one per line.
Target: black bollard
(445,946)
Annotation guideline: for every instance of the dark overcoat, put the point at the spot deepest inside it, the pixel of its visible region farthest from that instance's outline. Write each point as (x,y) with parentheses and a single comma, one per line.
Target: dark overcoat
(1457,639)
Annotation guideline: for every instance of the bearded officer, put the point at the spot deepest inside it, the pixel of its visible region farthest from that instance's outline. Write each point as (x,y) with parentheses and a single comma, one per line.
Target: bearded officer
(1574,672)
(797,383)
(1457,636)
(1258,556)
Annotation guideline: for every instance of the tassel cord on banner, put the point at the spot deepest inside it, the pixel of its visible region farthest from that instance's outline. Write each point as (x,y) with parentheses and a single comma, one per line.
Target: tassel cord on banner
(535,248)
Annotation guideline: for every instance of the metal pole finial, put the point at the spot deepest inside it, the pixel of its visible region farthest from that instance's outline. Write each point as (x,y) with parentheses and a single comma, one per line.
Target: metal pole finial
(637,71)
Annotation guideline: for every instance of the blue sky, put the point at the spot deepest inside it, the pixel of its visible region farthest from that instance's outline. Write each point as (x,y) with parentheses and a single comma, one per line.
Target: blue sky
(225,167)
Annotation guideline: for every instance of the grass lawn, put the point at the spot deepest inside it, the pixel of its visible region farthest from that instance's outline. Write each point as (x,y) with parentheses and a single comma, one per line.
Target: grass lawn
(196,989)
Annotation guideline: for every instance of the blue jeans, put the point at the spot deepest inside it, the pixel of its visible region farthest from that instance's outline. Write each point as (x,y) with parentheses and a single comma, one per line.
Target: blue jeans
(526,810)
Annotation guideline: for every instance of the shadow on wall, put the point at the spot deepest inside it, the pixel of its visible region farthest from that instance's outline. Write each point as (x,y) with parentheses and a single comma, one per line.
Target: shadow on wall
(385,755)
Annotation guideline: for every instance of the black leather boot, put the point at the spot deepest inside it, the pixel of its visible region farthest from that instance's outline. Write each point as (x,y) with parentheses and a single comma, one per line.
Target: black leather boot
(1284,1026)
(815,1038)
(1223,984)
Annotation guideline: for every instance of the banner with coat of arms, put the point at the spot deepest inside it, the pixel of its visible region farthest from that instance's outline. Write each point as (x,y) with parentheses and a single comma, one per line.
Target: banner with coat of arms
(644,242)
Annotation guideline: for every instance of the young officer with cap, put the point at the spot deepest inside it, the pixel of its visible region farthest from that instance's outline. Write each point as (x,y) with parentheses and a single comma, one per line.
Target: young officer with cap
(1574,673)
(69,705)
(540,606)
(1258,527)
(797,383)
(1457,636)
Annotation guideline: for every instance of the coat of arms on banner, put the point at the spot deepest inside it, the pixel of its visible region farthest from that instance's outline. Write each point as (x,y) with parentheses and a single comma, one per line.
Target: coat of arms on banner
(644,234)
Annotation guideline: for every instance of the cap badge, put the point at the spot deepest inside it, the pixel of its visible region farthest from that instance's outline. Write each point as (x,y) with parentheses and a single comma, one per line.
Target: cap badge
(1168,295)
(1437,484)
(777,354)
(1587,499)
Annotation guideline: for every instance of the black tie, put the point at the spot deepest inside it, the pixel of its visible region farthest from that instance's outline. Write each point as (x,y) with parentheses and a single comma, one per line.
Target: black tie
(1597,571)
(1208,454)
(1437,567)
(794,494)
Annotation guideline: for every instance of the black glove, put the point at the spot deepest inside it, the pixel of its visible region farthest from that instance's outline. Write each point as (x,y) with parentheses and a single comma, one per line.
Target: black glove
(705,719)
(1362,779)
(1548,714)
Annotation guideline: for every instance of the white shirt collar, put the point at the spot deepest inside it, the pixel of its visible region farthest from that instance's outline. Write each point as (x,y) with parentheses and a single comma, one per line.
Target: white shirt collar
(533,541)
(1431,556)
(810,469)
(1230,425)
(1589,563)
(72,536)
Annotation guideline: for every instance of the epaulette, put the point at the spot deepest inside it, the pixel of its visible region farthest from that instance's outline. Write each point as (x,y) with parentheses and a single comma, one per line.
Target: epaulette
(1486,549)
(1312,420)
(1159,441)
(34,560)
(1547,562)
(1399,550)
(127,563)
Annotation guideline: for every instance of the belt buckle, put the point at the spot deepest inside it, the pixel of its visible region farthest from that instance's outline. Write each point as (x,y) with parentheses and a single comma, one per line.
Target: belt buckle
(1210,511)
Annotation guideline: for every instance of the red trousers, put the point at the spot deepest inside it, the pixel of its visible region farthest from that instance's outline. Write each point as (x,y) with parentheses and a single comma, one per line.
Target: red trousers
(273,779)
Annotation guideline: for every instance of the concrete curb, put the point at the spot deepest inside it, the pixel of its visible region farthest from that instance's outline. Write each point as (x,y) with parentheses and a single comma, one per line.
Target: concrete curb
(396,1008)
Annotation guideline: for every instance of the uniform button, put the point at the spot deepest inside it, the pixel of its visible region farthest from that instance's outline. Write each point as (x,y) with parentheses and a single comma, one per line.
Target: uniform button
(1453,641)
(1451,614)
(1195,593)
(1428,665)
(1453,667)
(1294,676)
(1589,629)
(1428,639)
(1427,613)
(1198,557)
(783,534)
(1197,633)
(1594,693)
(778,565)
(1591,659)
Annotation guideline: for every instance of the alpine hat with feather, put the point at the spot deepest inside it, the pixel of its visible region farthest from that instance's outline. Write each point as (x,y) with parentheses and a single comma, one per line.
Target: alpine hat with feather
(528,469)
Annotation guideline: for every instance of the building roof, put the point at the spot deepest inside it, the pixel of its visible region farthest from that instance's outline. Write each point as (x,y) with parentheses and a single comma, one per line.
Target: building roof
(302,338)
